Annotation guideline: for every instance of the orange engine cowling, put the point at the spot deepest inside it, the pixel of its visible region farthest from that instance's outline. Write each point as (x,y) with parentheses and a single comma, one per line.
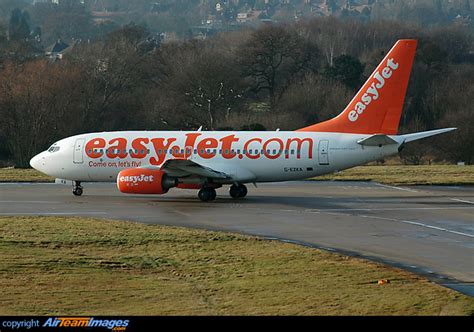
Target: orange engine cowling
(144,181)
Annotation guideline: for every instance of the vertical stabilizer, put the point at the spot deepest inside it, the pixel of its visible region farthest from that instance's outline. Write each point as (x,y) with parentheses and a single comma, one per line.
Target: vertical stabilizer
(377,107)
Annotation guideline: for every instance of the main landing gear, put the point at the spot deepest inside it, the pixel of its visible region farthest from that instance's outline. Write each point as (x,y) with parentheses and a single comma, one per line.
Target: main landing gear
(77,188)
(238,191)
(207,194)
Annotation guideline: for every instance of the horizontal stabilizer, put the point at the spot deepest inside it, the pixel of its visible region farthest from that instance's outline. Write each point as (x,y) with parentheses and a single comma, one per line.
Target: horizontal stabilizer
(424,134)
(376,140)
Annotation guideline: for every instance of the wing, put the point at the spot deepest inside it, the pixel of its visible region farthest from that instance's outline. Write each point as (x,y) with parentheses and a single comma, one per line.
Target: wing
(186,167)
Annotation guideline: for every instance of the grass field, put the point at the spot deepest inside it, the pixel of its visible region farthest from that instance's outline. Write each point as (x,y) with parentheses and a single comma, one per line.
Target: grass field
(393,175)
(23,175)
(73,266)
(407,175)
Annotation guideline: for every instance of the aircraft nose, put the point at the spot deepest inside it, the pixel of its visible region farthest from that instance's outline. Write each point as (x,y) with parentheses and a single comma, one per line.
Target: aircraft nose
(37,162)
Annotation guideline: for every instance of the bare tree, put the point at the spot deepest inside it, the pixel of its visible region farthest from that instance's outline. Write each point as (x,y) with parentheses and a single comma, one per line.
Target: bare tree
(272,57)
(205,79)
(36,102)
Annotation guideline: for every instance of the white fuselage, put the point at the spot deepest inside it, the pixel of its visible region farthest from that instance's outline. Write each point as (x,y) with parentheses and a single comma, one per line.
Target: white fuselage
(246,156)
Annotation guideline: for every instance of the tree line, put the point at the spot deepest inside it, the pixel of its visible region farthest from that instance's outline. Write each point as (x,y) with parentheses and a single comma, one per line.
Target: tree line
(276,76)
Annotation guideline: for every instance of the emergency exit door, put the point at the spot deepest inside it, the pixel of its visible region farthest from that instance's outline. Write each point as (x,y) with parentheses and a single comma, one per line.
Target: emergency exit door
(323,152)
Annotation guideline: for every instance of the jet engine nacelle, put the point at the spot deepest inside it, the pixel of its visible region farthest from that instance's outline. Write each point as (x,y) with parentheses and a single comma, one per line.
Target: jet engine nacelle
(144,181)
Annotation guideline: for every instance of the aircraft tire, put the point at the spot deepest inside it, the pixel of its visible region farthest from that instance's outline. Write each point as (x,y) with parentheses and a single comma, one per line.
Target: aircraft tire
(77,191)
(238,191)
(243,190)
(207,194)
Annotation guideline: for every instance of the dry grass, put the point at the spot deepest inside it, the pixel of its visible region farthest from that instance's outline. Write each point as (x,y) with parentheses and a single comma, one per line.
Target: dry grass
(78,266)
(407,175)
(23,175)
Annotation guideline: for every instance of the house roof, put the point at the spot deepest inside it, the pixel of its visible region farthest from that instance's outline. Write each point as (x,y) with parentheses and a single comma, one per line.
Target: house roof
(57,47)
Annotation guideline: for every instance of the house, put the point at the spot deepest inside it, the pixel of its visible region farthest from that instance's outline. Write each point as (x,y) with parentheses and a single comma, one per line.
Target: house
(45,1)
(99,17)
(59,49)
(242,17)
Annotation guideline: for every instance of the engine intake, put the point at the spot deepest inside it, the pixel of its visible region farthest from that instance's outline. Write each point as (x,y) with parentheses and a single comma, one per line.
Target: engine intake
(144,181)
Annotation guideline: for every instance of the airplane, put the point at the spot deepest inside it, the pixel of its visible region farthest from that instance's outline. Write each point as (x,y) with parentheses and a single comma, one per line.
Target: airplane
(153,162)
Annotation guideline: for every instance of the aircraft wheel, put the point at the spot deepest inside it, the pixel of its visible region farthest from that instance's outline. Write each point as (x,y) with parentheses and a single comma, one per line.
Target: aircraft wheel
(207,194)
(234,191)
(77,191)
(213,193)
(238,191)
(243,190)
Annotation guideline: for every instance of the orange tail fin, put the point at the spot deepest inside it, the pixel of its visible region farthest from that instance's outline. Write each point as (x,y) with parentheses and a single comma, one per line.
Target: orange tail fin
(377,107)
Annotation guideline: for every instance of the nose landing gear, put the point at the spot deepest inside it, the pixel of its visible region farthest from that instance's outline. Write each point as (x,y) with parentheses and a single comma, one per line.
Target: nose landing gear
(77,188)
(238,191)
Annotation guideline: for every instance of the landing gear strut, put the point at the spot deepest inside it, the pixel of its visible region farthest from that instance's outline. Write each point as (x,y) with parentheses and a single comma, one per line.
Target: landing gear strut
(207,194)
(77,188)
(238,191)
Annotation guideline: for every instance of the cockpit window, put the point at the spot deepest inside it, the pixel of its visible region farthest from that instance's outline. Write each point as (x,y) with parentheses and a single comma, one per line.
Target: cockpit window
(53,148)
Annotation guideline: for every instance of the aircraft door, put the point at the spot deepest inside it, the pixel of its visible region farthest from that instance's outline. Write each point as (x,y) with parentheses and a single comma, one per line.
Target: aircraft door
(78,151)
(323,154)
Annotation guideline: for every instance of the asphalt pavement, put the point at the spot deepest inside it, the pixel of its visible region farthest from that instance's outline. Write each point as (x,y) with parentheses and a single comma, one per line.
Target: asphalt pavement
(425,229)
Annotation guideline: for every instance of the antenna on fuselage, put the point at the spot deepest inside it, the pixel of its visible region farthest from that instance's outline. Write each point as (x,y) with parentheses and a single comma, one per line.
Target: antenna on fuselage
(200,128)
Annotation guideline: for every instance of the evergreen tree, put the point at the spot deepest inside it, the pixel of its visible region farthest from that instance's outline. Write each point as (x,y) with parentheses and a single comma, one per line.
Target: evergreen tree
(347,70)
(19,26)
(15,19)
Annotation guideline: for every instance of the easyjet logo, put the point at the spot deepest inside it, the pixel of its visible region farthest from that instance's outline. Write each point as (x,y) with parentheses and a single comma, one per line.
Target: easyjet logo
(373,91)
(136,178)
(228,147)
